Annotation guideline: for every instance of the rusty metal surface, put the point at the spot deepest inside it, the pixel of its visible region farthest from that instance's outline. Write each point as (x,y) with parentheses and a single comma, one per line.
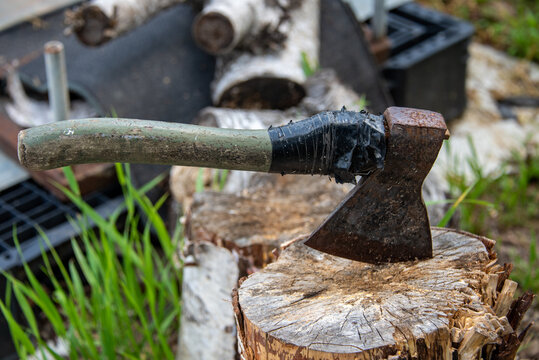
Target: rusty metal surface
(384,219)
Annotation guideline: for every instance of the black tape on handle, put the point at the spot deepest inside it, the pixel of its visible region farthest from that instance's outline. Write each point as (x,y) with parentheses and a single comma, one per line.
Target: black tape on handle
(341,144)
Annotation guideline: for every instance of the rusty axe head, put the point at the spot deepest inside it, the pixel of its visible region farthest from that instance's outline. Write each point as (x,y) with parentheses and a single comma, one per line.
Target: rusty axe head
(383,218)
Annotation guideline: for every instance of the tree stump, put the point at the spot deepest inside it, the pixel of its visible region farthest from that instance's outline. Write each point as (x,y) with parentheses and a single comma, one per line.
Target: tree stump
(272,210)
(311,305)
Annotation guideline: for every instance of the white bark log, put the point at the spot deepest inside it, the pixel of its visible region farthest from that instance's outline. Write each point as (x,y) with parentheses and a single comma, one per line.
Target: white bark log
(101,20)
(208,331)
(223,24)
(271,79)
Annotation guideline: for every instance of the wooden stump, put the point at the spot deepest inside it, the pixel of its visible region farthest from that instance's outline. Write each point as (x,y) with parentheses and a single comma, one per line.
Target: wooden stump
(271,211)
(310,305)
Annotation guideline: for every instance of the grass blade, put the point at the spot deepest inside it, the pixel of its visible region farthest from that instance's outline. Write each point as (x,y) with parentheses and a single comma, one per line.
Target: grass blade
(71,179)
(449,214)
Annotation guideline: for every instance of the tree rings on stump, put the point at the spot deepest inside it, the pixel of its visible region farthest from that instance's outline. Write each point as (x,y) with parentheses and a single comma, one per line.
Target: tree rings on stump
(273,210)
(311,305)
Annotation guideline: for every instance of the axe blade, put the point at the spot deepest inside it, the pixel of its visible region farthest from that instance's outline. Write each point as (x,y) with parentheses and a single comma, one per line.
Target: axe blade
(384,219)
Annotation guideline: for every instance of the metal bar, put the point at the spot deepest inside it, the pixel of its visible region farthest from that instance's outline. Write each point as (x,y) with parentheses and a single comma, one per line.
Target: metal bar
(55,67)
(379,19)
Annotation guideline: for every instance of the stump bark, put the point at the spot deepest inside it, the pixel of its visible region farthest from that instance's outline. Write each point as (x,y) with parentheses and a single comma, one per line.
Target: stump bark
(311,305)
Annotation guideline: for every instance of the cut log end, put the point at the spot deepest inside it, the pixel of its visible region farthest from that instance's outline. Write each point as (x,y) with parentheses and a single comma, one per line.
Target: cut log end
(263,93)
(310,305)
(214,33)
(92,26)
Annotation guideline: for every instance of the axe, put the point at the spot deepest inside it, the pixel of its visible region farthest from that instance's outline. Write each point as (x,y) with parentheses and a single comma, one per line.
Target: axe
(382,219)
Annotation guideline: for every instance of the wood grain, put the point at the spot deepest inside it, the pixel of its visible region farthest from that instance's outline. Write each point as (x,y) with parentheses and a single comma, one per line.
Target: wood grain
(310,305)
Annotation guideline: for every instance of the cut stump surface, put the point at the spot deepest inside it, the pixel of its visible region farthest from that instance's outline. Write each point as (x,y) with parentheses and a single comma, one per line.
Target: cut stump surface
(311,305)
(273,210)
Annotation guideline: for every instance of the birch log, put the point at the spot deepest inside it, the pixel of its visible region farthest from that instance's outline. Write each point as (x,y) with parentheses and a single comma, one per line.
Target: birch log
(223,25)
(99,21)
(207,325)
(271,78)
(310,305)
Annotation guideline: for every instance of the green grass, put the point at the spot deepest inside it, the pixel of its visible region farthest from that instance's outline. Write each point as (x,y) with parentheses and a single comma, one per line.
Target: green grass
(510,25)
(526,271)
(514,195)
(309,68)
(218,181)
(496,205)
(119,298)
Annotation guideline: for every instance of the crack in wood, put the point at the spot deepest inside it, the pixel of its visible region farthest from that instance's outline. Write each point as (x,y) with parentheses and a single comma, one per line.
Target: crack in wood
(308,295)
(280,327)
(345,318)
(333,344)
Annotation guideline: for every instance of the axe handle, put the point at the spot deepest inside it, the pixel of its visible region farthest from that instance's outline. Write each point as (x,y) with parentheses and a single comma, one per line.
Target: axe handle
(341,144)
(141,141)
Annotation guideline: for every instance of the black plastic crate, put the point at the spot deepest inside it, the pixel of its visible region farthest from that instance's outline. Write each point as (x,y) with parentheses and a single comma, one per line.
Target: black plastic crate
(27,206)
(427,65)
(403,33)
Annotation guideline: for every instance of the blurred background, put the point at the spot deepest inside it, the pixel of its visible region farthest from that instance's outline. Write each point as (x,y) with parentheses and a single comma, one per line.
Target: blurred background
(254,64)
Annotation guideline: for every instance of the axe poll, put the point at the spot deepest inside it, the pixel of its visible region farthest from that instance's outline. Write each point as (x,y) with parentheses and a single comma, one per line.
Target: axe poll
(382,219)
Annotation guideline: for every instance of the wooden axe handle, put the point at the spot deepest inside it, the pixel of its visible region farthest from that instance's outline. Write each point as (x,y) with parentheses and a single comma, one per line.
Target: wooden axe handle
(141,141)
